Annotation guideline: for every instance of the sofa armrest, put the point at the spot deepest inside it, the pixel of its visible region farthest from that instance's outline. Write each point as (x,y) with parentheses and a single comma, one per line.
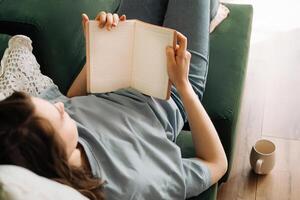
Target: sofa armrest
(229,47)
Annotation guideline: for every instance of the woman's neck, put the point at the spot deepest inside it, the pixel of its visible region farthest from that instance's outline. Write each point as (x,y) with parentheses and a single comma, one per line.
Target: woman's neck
(75,158)
(79,158)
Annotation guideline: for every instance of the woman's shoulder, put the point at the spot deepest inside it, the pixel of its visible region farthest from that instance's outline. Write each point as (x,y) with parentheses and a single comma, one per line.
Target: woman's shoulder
(53,94)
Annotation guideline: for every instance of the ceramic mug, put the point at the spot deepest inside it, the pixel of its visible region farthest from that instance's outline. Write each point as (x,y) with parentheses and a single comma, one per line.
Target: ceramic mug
(262,156)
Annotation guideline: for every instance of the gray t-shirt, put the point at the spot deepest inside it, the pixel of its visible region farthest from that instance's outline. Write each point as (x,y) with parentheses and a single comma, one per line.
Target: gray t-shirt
(129,141)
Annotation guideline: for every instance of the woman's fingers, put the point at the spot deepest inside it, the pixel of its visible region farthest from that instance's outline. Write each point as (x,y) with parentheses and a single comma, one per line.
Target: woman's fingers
(109,21)
(115,20)
(182,41)
(123,18)
(170,56)
(101,17)
(85,19)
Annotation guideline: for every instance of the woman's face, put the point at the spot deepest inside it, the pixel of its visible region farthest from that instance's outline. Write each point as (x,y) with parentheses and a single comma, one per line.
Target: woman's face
(62,123)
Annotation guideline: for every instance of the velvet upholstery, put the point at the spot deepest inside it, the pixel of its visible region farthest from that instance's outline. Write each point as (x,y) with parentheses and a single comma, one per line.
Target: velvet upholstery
(3,43)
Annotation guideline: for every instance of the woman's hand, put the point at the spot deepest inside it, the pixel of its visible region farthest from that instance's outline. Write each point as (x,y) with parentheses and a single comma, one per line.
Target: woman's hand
(107,20)
(178,62)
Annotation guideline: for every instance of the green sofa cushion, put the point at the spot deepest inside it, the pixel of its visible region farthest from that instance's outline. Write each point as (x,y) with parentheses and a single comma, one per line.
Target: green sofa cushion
(55,29)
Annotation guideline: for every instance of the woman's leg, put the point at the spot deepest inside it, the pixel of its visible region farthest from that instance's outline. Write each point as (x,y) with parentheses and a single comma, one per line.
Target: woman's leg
(151,11)
(191,18)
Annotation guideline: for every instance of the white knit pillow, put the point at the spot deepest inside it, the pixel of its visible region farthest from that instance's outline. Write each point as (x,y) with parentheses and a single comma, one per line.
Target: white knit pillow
(20,70)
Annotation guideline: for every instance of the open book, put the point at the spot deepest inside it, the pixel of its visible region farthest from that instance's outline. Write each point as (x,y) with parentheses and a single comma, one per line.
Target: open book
(131,55)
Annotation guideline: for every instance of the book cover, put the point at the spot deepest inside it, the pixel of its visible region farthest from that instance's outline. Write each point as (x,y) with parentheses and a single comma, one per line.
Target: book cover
(131,55)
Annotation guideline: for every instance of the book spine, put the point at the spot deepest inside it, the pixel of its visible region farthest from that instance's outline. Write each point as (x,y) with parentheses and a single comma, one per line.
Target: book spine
(168,95)
(132,54)
(88,62)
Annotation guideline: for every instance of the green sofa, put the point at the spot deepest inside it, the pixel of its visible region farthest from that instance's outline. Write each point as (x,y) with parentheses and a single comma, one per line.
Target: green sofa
(59,48)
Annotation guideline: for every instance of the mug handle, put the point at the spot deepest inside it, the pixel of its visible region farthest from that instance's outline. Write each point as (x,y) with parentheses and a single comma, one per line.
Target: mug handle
(258,166)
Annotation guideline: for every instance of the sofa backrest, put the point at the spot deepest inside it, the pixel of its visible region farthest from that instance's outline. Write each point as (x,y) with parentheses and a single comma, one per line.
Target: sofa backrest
(3,43)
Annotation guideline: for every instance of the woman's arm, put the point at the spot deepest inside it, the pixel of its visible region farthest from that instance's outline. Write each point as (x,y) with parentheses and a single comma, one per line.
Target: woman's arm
(108,20)
(78,87)
(205,138)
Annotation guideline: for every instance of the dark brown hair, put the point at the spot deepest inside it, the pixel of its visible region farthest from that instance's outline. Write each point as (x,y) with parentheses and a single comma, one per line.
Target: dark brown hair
(30,141)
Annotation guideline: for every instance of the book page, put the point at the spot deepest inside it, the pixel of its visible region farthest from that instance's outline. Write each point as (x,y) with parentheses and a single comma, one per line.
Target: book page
(150,74)
(110,56)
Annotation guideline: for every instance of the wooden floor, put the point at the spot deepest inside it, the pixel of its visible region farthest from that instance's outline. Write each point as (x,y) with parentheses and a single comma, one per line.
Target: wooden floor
(271,104)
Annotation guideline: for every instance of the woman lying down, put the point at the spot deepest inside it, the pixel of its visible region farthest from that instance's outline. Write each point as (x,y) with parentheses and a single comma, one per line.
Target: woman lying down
(117,145)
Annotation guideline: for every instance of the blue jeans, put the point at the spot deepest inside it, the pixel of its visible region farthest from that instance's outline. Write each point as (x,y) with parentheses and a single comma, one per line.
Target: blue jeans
(191,18)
